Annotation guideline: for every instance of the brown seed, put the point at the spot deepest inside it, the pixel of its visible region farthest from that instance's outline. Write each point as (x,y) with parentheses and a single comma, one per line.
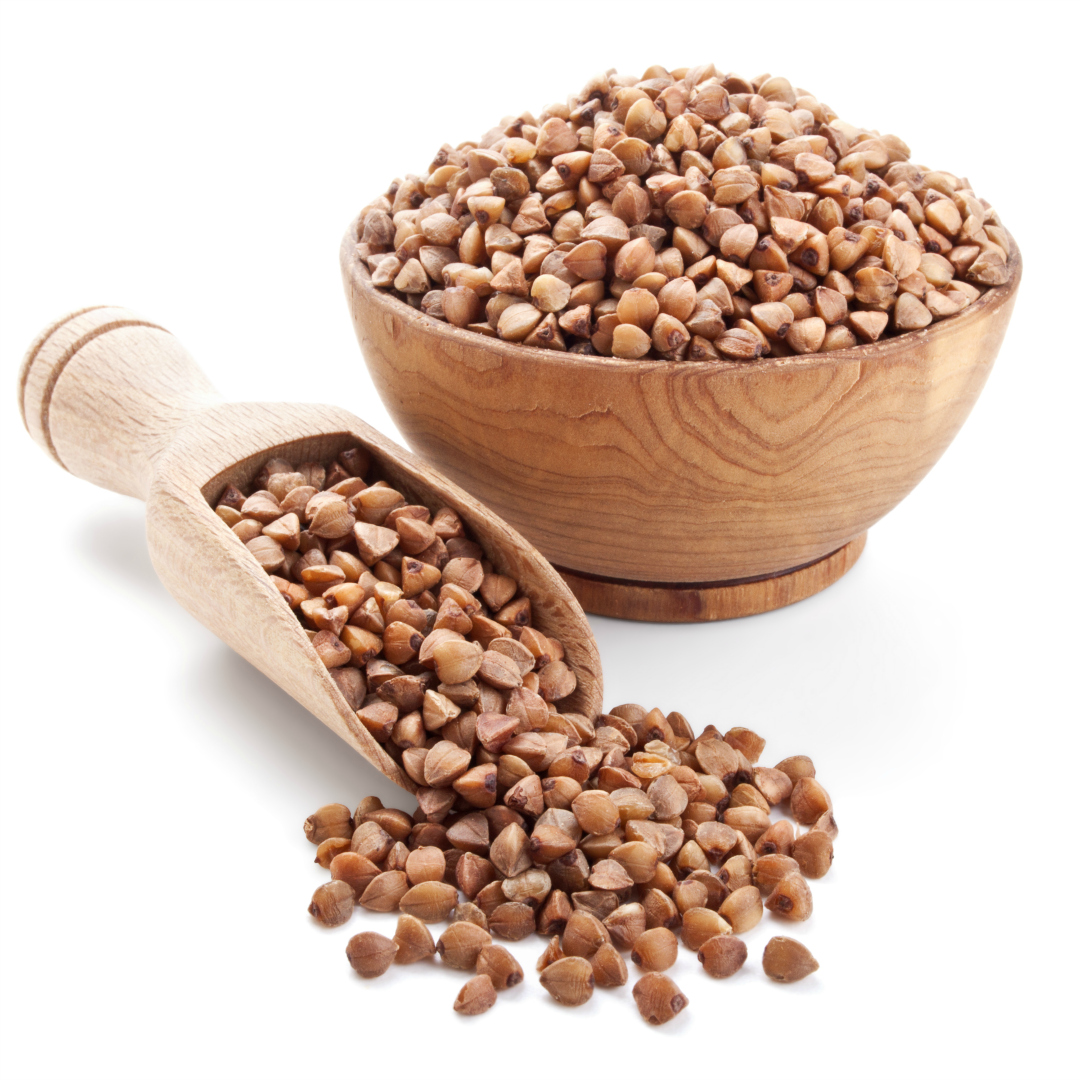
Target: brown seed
(512,921)
(795,768)
(638,858)
(332,903)
(370,954)
(333,820)
(599,903)
(355,870)
(469,912)
(413,939)
(461,306)
(773,784)
(499,965)
(425,864)
(700,924)
(809,801)
(401,643)
(475,997)
(584,934)
(690,858)
(721,957)
(457,661)
(560,792)
(445,762)
(385,892)
(826,824)
(499,671)
(610,875)
(470,833)
(569,981)
(634,259)
(460,943)
(552,953)
(630,342)
(660,909)
(715,756)
(667,839)
(626,924)
(791,898)
(596,812)
(656,949)
(395,823)
(548,843)
(668,798)
(557,681)
(658,998)
(777,839)
(813,851)
(431,901)
(737,872)
(751,821)
(531,888)
(787,960)
(690,894)
(587,260)
(372,841)
(510,851)
(670,335)
(329,848)
(869,325)
(717,892)
(494,730)
(554,914)
(909,313)
(715,839)
(268,552)
(609,968)
(748,742)
(478,786)
(770,870)
(473,873)
(748,795)
(743,909)
(550,293)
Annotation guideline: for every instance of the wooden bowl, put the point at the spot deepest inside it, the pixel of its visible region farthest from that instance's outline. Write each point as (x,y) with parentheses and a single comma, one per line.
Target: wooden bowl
(679,492)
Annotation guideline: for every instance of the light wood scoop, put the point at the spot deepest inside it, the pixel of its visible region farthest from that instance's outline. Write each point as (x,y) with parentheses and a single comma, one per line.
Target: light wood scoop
(119,401)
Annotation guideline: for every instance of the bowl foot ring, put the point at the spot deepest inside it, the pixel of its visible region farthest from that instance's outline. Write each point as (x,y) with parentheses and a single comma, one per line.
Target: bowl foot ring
(713,600)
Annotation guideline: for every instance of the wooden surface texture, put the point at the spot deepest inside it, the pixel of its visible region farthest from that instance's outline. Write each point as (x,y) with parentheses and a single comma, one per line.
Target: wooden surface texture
(657,473)
(711,602)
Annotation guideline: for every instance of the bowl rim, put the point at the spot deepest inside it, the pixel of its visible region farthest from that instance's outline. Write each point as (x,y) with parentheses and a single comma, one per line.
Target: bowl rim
(891,348)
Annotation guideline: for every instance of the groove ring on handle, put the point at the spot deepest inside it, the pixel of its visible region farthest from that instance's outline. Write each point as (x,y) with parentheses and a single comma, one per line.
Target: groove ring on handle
(58,368)
(36,348)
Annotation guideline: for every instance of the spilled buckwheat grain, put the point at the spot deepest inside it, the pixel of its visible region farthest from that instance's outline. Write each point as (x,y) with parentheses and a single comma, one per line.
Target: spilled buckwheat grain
(684,215)
(650,836)
(620,832)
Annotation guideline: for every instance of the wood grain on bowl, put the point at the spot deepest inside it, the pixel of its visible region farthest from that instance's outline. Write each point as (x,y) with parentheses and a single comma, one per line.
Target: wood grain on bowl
(653,473)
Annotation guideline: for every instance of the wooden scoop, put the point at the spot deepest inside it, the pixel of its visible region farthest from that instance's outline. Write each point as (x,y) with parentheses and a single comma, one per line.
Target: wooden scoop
(119,401)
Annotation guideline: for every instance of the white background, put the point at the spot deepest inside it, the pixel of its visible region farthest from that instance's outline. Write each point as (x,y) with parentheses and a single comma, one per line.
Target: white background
(199,164)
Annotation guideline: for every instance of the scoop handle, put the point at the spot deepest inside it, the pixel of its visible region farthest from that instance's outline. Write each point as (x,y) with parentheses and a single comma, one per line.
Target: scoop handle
(104,392)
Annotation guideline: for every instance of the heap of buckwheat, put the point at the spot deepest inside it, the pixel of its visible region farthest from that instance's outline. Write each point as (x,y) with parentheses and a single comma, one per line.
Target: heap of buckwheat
(601,831)
(613,851)
(684,215)
(431,647)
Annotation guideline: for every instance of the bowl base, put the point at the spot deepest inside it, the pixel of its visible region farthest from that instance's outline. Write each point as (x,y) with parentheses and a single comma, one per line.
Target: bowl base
(710,601)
